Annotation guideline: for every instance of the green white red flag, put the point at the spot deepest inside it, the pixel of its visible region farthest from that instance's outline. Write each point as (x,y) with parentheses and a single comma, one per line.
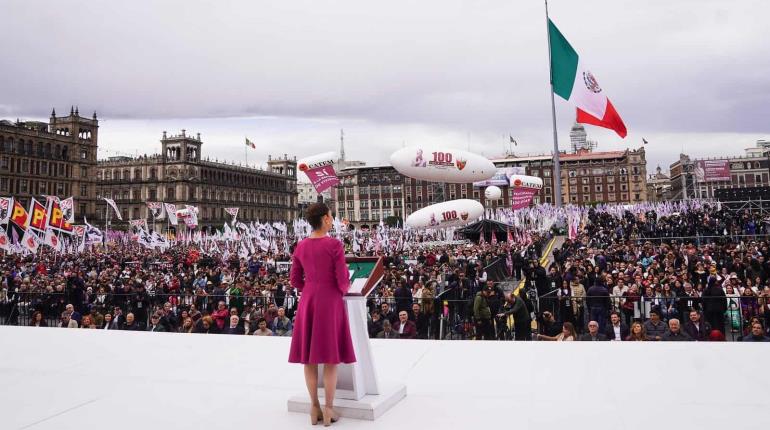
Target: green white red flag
(573,81)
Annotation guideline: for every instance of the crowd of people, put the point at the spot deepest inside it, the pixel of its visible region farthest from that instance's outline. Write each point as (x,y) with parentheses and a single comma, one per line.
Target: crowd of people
(701,274)
(698,274)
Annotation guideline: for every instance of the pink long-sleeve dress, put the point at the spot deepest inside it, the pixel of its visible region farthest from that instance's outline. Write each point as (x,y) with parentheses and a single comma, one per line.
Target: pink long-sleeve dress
(321,330)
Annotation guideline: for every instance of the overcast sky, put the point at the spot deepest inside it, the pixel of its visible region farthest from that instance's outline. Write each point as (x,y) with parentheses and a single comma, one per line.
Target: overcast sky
(688,75)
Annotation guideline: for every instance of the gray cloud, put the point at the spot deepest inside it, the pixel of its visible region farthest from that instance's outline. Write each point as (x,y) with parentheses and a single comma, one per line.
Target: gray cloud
(400,70)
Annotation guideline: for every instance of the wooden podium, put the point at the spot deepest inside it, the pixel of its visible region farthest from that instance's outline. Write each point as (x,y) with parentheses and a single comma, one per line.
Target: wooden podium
(359,393)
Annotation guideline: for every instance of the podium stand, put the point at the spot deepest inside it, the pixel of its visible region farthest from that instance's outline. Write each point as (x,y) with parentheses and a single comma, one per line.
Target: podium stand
(359,393)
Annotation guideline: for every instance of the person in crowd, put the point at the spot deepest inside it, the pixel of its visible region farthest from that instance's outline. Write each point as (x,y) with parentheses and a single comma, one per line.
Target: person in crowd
(578,294)
(131,324)
(757,333)
(187,326)
(387,313)
(118,319)
(675,333)
(483,315)
(420,320)
(387,331)
(593,334)
(567,334)
(262,329)
(551,327)
(107,324)
(654,327)
(637,332)
(616,330)
(696,328)
(67,321)
(281,324)
(374,323)
(38,320)
(155,324)
(406,329)
(522,322)
(598,299)
(234,326)
(205,325)
(714,304)
(220,315)
(87,322)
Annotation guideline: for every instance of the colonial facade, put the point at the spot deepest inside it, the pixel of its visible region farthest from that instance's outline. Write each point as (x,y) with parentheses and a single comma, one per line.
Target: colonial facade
(368,194)
(747,171)
(54,158)
(181,176)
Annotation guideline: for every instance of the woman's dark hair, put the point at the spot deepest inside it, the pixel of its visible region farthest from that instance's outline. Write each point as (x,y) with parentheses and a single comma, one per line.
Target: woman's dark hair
(315,213)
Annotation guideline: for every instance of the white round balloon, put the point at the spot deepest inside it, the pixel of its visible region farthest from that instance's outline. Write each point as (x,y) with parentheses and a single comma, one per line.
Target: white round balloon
(492,192)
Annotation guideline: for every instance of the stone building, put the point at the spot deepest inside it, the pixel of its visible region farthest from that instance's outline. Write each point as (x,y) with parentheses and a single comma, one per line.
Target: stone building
(747,171)
(54,158)
(368,194)
(181,176)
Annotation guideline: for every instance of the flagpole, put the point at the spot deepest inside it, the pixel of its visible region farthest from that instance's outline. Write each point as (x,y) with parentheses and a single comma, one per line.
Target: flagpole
(556,166)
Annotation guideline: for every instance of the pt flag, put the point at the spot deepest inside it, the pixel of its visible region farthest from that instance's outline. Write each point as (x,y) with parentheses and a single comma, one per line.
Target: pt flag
(573,81)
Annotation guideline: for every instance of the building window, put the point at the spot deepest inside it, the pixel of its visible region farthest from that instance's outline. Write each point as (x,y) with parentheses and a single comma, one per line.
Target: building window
(83,172)
(585,188)
(83,191)
(611,188)
(82,209)
(547,174)
(4,163)
(598,188)
(170,193)
(23,186)
(3,184)
(586,198)
(83,154)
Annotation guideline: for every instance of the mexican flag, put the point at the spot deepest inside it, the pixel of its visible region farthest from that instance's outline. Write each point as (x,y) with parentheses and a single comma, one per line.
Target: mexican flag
(573,81)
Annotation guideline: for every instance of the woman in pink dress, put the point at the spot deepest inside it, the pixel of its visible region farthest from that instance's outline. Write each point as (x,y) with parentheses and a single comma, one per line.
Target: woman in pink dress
(321,329)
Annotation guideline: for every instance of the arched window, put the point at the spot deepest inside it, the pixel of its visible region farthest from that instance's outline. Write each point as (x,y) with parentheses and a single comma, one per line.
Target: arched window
(138,174)
(126,175)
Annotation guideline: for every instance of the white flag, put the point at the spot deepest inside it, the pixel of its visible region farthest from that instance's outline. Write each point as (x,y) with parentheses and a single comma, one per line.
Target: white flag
(114,207)
(171,213)
(52,240)
(30,241)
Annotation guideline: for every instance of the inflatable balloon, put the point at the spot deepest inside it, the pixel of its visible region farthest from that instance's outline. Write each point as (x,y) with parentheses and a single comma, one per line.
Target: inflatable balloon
(453,213)
(320,170)
(315,161)
(524,181)
(492,193)
(440,164)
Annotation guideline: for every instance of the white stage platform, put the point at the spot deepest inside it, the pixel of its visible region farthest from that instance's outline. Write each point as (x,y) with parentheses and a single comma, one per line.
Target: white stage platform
(75,379)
